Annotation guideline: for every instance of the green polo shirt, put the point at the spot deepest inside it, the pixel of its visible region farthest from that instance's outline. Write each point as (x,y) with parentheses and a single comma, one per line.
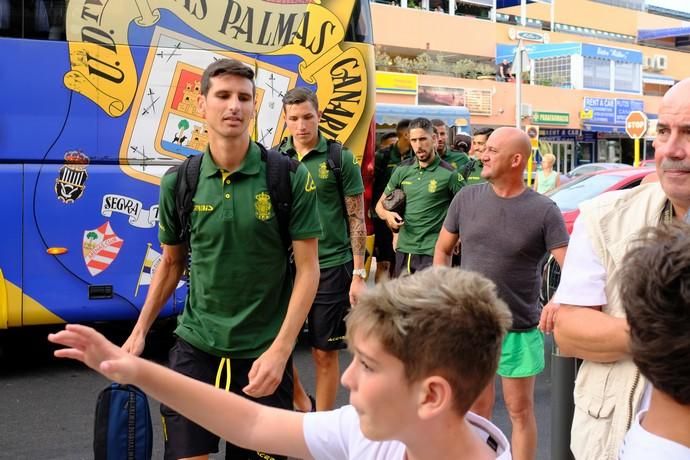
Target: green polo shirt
(334,244)
(239,282)
(455,158)
(428,193)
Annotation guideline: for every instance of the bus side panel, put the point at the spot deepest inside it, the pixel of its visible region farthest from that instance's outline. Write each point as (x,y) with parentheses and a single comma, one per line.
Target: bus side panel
(110,236)
(11,246)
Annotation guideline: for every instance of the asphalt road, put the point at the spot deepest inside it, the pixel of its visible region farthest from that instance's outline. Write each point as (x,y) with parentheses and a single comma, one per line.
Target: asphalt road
(47,405)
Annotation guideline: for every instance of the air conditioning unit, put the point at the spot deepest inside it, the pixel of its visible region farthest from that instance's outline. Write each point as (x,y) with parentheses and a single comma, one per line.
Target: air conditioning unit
(660,61)
(526,110)
(648,62)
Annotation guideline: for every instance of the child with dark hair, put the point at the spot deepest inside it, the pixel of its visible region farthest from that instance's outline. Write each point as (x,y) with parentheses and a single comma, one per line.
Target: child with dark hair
(655,290)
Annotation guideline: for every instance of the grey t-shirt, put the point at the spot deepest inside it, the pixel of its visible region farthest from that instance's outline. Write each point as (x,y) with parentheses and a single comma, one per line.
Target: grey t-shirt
(506,239)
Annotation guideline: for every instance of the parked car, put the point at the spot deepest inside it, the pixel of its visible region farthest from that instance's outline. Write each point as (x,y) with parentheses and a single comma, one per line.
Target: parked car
(590,168)
(568,198)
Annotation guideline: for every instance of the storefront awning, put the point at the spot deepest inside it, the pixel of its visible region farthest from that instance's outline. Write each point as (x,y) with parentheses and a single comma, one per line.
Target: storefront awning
(656,34)
(655,79)
(390,114)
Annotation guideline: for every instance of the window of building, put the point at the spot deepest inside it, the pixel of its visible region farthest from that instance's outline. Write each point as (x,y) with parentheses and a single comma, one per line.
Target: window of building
(597,73)
(627,76)
(554,71)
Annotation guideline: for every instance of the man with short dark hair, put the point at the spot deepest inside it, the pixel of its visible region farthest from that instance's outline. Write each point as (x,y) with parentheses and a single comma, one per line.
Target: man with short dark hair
(479,138)
(429,184)
(242,314)
(386,159)
(506,229)
(455,158)
(342,245)
(388,139)
(655,292)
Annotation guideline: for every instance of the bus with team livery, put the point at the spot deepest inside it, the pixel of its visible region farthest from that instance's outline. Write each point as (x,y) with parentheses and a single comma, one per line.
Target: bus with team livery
(99,100)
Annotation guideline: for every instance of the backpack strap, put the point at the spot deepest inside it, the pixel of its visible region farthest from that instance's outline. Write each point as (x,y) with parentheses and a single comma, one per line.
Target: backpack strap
(335,163)
(185,189)
(278,167)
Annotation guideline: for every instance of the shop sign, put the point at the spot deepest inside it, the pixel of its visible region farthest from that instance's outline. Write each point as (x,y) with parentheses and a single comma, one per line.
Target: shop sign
(551,118)
(396,83)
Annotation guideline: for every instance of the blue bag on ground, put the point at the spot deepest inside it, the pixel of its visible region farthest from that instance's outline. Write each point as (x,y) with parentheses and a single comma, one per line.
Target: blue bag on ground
(122,429)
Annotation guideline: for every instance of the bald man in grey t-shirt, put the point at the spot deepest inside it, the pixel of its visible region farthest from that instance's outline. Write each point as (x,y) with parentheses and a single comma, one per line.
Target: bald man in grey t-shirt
(506,230)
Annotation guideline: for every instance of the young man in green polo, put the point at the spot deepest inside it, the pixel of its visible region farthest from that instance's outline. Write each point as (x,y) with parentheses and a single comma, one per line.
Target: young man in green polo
(242,314)
(429,184)
(341,247)
(455,158)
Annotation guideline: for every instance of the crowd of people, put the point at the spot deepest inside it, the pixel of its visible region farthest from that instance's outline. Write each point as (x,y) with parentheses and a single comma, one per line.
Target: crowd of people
(463,239)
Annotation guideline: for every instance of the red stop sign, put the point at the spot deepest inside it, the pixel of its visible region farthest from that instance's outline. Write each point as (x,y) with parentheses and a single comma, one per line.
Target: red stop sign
(636,124)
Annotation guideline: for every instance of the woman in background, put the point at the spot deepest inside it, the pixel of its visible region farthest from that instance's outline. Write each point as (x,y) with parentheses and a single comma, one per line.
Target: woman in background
(547,179)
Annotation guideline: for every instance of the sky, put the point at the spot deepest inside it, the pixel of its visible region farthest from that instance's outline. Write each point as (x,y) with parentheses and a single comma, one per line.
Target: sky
(678,5)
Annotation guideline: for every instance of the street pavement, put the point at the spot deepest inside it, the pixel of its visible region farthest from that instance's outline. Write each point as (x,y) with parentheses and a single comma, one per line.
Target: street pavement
(47,405)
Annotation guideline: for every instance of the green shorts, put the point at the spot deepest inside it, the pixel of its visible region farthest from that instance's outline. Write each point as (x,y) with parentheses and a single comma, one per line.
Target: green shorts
(522,354)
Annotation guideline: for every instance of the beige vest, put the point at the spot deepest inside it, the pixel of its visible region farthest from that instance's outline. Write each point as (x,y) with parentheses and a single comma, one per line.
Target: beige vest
(607,394)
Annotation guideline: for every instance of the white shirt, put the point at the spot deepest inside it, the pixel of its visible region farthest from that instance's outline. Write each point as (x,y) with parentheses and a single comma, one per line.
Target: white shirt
(335,435)
(583,278)
(640,444)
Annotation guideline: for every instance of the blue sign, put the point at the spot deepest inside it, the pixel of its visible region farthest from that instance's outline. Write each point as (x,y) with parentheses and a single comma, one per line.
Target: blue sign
(625,106)
(614,54)
(606,111)
(603,110)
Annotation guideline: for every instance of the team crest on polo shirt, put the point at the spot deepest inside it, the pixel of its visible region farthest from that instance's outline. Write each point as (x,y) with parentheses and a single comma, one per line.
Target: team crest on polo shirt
(432,185)
(262,206)
(323,171)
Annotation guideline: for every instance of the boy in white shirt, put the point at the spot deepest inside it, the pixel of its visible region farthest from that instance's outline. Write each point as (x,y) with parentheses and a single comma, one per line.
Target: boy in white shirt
(655,290)
(424,346)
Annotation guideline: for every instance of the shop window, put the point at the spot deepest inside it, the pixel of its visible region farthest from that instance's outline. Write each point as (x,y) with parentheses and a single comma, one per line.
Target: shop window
(627,77)
(597,73)
(553,71)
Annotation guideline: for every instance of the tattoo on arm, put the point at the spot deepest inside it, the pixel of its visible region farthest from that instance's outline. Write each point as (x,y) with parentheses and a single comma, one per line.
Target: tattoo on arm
(355,217)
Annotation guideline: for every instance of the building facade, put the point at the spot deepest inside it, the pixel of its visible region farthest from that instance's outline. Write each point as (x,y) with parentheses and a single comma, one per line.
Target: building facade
(585,66)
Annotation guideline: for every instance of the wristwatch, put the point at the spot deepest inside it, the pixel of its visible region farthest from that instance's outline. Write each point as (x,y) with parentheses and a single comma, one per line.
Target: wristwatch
(361,272)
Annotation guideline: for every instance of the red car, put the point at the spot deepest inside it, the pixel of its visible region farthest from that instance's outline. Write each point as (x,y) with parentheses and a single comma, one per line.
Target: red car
(568,198)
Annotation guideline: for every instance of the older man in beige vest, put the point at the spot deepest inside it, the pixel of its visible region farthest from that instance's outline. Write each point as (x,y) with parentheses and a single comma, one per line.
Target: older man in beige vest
(590,322)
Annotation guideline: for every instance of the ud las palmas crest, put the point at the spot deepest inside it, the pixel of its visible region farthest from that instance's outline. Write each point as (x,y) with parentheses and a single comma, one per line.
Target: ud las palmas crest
(71,181)
(182,39)
(262,206)
(100,247)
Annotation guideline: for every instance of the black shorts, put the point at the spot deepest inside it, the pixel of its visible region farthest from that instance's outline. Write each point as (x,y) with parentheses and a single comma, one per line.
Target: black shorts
(383,242)
(184,438)
(407,264)
(331,305)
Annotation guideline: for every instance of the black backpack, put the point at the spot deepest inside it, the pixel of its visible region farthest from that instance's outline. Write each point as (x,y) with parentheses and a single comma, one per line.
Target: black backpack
(278,167)
(335,163)
(122,426)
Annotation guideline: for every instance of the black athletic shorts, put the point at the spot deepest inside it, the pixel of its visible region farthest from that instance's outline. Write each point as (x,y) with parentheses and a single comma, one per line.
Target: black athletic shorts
(383,242)
(407,264)
(326,318)
(184,438)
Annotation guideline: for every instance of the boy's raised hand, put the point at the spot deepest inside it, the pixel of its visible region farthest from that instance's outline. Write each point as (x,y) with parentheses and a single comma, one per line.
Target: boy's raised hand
(93,349)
